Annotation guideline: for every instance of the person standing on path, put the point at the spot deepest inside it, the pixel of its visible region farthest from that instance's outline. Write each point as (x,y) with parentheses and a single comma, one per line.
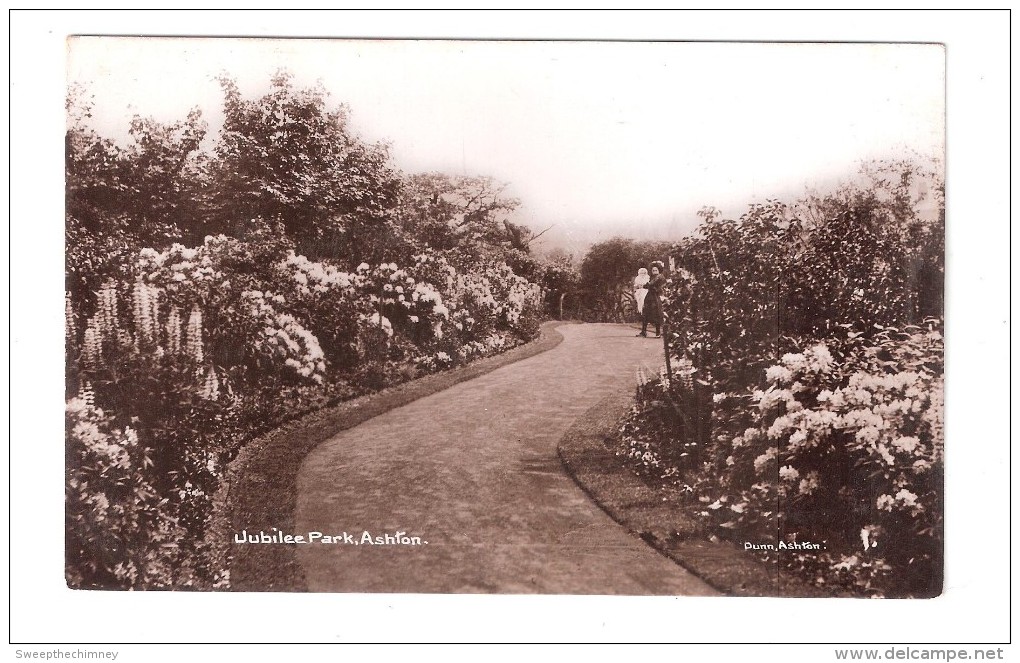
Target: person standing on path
(653,305)
(639,289)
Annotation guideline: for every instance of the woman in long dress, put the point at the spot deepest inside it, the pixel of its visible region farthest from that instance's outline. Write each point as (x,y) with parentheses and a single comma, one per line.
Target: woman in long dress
(639,288)
(652,310)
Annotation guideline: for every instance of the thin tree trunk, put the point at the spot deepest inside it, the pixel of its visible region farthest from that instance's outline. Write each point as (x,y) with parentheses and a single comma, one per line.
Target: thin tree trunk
(665,349)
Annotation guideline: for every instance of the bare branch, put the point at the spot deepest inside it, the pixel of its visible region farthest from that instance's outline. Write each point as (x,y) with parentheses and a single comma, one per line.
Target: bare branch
(534,237)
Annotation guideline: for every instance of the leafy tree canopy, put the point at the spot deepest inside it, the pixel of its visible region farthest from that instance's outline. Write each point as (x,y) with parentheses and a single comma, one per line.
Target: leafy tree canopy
(288,157)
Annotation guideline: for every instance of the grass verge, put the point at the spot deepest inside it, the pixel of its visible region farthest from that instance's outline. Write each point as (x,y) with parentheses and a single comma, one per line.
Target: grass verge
(588,452)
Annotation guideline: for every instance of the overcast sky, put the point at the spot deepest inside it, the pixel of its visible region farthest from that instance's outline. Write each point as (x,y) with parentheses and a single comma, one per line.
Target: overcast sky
(595,138)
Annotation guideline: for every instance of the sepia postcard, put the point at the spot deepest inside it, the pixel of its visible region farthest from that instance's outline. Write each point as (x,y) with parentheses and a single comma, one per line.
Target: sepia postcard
(505,317)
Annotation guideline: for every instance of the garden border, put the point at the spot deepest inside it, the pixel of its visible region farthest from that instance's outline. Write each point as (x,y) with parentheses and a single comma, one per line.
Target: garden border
(586,451)
(259,489)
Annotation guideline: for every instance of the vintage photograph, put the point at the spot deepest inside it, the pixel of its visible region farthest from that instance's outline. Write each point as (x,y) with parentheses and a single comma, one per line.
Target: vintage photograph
(505,317)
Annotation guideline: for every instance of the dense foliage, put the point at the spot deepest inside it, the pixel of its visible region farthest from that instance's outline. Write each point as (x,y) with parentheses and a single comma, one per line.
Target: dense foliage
(217,289)
(606,277)
(803,400)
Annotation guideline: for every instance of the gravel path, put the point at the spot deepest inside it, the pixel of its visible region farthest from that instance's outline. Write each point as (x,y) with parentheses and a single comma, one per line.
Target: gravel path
(473,471)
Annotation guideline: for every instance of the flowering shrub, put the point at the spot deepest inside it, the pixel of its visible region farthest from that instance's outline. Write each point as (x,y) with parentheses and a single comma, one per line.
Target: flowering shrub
(843,446)
(844,452)
(804,398)
(412,307)
(249,329)
(649,433)
(151,373)
(284,339)
(193,351)
(120,533)
(514,295)
(433,363)
(328,300)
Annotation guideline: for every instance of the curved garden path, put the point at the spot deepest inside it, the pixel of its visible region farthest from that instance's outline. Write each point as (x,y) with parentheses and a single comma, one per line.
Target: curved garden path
(473,470)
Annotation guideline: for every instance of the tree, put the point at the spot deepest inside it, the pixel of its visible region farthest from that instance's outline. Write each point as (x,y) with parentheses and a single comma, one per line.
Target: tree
(138,187)
(607,265)
(876,249)
(121,198)
(468,220)
(559,282)
(608,271)
(448,211)
(286,157)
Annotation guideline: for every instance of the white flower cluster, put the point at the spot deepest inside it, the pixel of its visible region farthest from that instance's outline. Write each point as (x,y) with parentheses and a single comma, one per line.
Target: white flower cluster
(70,336)
(875,415)
(815,360)
(112,448)
(180,264)
(809,484)
(641,451)
(173,331)
(473,349)
(145,309)
(762,461)
(193,346)
(497,342)
(318,278)
(496,292)
(894,418)
(105,332)
(521,295)
(513,293)
(284,337)
(378,321)
(475,290)
(387,283)
(435,268)
(684,372)
(434,362)
(427,295)
(903,499)
(103,327)
(210,390)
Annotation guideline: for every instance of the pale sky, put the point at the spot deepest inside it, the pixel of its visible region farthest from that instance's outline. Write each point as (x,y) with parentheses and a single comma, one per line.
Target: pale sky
(594,138)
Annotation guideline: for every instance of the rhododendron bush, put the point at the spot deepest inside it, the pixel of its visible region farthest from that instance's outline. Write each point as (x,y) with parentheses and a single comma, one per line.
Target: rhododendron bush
(854,435)
(803,397)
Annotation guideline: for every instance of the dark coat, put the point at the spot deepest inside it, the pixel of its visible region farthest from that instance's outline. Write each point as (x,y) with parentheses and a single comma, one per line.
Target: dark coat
(653,305)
